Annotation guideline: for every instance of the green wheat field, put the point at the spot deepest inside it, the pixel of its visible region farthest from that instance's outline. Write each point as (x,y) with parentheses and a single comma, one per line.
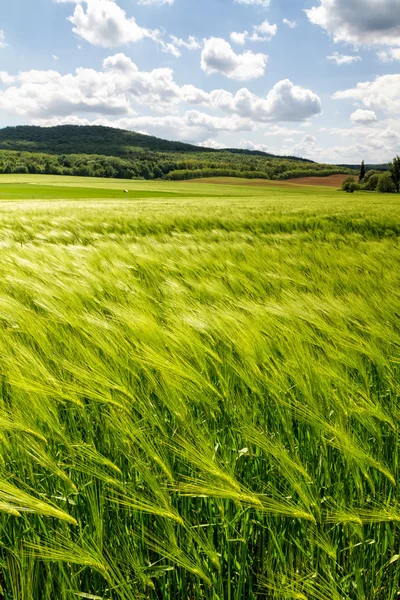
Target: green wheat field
(200,391)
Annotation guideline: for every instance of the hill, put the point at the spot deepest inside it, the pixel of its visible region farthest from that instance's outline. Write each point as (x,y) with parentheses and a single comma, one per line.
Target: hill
(108,152)
(96,139)
(85,139)
(368,167)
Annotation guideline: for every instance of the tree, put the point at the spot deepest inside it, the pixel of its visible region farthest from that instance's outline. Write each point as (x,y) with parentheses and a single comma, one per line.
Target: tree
(362,172)
(372,182)
(347,183)
(395,173)
(386,184)
(21,168)
(109,171)
(369,174)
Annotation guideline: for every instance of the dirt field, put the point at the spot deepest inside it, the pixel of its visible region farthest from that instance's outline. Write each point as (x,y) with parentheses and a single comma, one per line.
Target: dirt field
(330,181)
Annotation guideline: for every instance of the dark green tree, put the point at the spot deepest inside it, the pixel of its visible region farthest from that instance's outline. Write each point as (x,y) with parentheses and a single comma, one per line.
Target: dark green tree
(347,183)
(371,184)
(362,172)
(395,172)
(386,183)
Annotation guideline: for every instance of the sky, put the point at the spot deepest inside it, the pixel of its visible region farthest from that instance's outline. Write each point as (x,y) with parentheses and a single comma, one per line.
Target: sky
(313,78)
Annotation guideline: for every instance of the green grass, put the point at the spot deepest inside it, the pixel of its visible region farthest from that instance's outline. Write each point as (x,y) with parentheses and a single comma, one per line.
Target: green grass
(24,191)
(199,396)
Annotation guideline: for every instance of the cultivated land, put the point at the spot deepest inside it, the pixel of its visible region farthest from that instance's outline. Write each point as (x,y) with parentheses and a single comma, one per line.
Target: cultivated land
(199,391)
(328,181)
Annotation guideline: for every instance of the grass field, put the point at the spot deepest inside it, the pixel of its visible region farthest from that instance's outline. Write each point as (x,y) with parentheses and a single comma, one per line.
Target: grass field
(199,392)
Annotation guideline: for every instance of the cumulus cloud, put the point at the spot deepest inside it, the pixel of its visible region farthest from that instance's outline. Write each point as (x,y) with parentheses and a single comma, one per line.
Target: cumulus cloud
(218,57)
(367,143)
(261,33)
(114,95)
(291,24)
(360,22)
(381,94)
(249,145)
(343,59)
(391,55)
(112,91)
(284,102)
(239,38)
(119,86)
(104,23)
(307,147)
(363,117)
(263,3)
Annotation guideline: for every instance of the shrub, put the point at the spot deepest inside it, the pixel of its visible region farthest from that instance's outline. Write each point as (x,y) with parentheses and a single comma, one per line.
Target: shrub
(372,183)
(349,181)
(353,187)
(386,184)
(369,174)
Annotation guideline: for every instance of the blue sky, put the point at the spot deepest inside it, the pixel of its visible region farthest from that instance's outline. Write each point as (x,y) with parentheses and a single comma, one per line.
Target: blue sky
(314,78)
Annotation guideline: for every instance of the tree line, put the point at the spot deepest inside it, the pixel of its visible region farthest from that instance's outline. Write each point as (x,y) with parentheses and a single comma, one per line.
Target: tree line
(386,182)
(146,164)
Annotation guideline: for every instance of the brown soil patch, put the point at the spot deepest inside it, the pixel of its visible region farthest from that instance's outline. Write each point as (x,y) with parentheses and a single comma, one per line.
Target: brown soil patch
(330,181)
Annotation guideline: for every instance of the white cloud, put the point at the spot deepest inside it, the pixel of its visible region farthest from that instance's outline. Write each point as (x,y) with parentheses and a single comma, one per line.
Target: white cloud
(291,24)
(190,44)
(381,94)
(55,57)
(6,78)
(360,22)
(219,57)
(120,87)
(263,32)
(278,130)
(249,145)
(113,96)
(3,42)
(343,59)
(263,3)
(156,2)
(104,23)
(112,91)
(368,143)
(210,143)
(307,148)
(391,55)
(285,102)
(363,117)
(239,38)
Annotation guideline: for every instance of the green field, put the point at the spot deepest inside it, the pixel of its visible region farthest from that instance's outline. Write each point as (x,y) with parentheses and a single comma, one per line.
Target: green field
(200,391)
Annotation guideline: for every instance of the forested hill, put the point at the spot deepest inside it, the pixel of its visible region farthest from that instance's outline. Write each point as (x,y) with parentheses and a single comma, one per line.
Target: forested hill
(107,152)
(95,139)
(85,139)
